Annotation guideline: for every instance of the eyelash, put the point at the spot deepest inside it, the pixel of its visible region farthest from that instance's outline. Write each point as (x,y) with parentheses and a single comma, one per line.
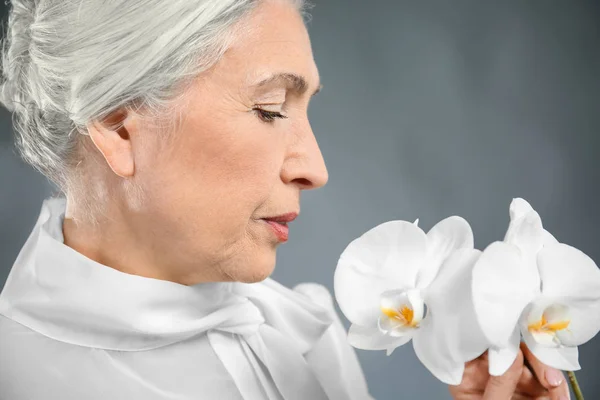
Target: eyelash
(268,116)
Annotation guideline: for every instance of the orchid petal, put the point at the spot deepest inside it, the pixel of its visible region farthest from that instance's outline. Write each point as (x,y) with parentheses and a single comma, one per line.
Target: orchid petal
(366,338)
(449,302)
(567,271)
(564,358)
(572,279)
(548,239)
(446,236)
(518,208)
(503,284)
(358,292)
(431,348)
(394,249)
(501,358)
(584,323)
(526,232)
(449,335)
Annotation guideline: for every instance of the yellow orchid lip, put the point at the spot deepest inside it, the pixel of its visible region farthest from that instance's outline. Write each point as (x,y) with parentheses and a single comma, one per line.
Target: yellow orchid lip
(404,315)
(543,326)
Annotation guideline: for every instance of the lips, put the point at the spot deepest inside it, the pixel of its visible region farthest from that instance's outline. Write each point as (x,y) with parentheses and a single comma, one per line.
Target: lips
(279,225)
(284,218)
(281,230)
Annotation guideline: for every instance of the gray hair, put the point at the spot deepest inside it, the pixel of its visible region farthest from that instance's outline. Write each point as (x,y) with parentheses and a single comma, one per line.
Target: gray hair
(66,63)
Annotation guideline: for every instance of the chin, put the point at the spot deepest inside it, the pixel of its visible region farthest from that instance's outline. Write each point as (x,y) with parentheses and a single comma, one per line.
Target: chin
(255,275)
(258,270)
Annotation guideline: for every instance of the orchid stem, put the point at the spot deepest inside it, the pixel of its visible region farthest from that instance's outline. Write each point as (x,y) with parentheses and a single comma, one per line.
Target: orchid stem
(575,385)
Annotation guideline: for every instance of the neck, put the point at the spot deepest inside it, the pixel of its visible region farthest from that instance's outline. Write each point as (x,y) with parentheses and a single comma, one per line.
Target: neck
(112,239)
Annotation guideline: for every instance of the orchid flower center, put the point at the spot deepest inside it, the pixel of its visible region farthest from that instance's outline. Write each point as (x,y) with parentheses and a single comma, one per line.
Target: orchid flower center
(547,327)
(543,326)
(404,316)
(401,312)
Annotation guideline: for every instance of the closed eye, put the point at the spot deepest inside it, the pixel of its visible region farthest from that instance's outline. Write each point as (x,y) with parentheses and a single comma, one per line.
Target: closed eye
(268,116)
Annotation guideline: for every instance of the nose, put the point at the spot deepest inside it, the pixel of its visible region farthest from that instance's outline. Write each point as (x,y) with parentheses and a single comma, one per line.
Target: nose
(304,164)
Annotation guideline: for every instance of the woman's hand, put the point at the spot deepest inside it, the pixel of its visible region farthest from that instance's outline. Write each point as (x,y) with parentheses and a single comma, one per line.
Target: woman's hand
(536,381)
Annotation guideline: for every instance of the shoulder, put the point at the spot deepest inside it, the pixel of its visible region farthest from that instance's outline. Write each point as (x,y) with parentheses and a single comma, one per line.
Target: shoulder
(34,366)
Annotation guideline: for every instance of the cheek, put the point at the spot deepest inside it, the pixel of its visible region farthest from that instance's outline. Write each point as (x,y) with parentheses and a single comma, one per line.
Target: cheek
(213,179)
(236,173)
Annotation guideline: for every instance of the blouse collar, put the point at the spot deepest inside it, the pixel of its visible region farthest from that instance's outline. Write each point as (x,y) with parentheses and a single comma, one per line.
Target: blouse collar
(64,295)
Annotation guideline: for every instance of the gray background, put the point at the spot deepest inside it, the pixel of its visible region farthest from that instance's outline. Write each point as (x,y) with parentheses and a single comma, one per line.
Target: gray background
(429,109)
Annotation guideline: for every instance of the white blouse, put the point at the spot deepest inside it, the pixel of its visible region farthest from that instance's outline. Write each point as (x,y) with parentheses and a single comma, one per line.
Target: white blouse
(74,329)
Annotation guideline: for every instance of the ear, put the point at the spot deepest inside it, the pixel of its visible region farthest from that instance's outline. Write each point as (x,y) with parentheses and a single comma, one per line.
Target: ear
(112,136)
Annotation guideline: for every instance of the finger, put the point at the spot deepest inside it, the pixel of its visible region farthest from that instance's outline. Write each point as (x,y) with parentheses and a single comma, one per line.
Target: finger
(476,371)
(503,386)
(529,387)
(551,378)
(473,382)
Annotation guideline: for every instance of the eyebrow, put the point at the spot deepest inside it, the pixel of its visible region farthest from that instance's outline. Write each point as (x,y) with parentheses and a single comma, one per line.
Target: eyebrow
(295,82)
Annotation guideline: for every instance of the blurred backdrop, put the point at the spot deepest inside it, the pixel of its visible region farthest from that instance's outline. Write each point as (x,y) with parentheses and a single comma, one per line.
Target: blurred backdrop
(429,109)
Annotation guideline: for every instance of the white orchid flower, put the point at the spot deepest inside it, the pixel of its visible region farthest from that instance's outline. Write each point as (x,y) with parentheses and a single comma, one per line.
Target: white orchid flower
(531,285)
(396,283)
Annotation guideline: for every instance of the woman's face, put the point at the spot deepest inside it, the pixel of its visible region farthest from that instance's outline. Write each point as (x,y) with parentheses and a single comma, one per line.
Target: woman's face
(244,151)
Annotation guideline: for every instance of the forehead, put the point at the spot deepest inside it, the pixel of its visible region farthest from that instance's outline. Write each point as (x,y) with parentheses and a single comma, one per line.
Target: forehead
(271,40)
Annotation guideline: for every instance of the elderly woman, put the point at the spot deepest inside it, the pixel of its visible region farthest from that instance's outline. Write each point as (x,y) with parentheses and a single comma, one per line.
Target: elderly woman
(178,134)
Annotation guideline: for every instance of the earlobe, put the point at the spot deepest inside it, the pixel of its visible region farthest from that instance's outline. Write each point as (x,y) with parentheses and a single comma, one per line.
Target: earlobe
(112,137)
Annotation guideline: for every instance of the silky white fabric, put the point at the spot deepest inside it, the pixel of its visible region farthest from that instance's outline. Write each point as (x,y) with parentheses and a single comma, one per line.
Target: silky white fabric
(73,329)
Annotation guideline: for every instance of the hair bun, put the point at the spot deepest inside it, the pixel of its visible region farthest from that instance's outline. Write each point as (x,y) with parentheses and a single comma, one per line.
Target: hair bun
(15,54)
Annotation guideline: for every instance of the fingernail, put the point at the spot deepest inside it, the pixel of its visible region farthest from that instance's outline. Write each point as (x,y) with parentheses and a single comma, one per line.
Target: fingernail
(554,376)
(563,397)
